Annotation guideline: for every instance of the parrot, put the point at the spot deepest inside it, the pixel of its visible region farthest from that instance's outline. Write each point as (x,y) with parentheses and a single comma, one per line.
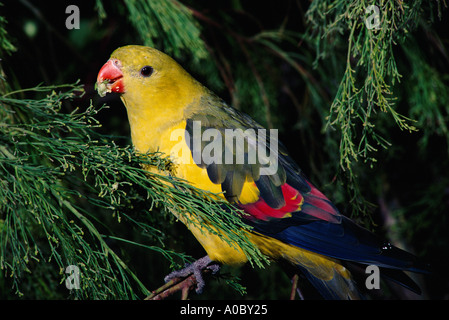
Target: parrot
(290,220)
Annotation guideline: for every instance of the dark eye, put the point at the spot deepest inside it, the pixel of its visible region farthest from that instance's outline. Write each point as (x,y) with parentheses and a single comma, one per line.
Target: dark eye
(146,71)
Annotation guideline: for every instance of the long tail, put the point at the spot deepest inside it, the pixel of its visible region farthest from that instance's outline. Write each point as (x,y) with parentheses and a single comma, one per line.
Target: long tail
(329,277)
(336,286)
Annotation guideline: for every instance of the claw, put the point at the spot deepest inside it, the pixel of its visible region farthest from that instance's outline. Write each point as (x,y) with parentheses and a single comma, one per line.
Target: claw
(196,268)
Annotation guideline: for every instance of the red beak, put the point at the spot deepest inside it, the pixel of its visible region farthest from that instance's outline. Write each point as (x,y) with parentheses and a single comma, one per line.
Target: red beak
(110,78)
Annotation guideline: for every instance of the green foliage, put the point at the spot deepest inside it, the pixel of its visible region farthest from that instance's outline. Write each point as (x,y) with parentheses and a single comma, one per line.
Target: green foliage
(41,148)
(366,95)
(6,45)
(371,71)
(155,21)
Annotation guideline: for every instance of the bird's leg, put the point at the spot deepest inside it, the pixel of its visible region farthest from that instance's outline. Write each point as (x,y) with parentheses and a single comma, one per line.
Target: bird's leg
(196,268)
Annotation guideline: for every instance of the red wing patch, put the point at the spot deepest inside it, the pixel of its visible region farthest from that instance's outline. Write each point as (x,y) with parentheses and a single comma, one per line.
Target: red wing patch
(262,211)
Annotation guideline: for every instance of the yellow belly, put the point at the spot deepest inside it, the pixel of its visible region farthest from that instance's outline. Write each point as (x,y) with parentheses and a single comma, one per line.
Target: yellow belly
(320,266)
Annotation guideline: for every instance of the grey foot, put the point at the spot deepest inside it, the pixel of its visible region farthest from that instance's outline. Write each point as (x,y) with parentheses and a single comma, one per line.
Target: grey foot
(196,269)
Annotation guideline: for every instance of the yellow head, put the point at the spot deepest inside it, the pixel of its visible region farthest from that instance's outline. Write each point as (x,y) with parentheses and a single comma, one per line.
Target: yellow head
(148,80)
(154,88)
